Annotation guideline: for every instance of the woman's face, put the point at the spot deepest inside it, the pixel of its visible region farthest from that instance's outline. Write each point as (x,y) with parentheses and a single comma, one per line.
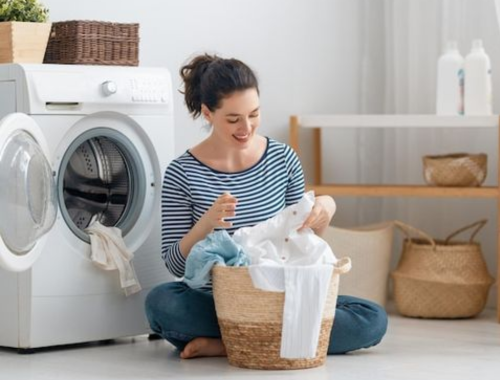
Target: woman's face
(235,122)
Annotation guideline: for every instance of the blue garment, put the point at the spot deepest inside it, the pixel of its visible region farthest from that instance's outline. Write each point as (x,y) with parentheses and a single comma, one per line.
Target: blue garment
(217,248)
(190,187)
(179,314)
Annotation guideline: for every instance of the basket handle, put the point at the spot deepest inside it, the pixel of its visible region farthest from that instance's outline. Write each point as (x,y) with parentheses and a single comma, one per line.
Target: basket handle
(480,224)
(343,265)
(408,230)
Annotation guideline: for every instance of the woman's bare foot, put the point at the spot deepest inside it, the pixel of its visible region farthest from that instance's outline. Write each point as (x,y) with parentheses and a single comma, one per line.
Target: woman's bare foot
(203,347)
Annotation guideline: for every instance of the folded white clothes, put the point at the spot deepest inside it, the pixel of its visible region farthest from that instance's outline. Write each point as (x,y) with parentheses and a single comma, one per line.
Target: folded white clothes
(109,252)
(298,263)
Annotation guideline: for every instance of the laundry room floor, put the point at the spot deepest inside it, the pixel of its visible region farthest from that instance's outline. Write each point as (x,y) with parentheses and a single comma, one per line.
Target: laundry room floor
(412,349)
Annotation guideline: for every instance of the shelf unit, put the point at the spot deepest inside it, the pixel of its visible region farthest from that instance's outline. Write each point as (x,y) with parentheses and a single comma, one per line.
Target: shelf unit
(316,123)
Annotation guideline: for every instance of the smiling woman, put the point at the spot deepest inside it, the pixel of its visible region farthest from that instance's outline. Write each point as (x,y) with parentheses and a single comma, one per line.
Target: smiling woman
(234,178)
(234,126)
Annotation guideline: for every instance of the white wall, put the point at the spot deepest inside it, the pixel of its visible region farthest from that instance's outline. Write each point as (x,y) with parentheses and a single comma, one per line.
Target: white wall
(290,44)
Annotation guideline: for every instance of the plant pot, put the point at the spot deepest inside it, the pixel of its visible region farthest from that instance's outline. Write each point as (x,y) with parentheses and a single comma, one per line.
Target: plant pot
(23,42)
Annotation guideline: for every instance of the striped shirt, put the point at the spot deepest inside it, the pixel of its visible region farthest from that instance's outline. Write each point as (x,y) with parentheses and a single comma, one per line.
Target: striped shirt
(191,187)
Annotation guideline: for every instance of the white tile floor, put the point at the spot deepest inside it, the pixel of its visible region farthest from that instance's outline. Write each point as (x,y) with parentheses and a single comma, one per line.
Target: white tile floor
(413,349)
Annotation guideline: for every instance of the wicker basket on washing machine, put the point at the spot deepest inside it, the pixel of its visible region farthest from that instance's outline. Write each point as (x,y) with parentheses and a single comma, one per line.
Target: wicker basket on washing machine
(89,42)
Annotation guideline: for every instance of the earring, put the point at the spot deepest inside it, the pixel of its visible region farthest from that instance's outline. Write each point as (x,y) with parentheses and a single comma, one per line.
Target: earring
(207,126)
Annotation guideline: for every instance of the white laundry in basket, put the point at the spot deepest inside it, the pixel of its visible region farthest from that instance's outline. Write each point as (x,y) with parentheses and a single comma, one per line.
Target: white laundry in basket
(298,263)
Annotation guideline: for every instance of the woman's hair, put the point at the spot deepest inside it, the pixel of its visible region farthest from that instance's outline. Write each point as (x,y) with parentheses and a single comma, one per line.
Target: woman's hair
(208,79)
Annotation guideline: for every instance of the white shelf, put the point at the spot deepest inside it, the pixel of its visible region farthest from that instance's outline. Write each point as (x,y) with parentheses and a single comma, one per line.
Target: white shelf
(397,121)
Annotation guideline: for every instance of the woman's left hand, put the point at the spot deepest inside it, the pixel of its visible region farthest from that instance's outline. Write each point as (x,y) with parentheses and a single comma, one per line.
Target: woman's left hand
(321,214)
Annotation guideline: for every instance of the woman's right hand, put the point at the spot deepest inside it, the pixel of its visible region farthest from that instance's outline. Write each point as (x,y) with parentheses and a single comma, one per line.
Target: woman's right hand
(223,207)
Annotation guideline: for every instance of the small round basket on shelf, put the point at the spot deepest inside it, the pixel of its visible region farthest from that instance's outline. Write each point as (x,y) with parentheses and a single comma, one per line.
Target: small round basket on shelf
(455,169)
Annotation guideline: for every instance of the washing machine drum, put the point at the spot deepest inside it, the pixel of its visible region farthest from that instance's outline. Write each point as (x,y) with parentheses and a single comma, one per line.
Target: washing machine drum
(100,182)
(96,183)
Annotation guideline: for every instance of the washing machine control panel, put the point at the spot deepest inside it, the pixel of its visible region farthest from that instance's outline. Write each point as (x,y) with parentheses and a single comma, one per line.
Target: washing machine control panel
(79,89)
(149,90)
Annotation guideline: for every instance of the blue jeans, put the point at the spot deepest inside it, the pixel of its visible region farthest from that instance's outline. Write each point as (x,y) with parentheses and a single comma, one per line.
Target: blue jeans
(179,314)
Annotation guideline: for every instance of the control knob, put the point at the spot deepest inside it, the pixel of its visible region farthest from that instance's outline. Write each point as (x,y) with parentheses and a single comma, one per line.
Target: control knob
(109,88)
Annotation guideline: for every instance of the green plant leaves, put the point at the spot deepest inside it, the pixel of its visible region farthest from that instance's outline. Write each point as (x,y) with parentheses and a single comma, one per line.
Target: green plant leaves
(23,10)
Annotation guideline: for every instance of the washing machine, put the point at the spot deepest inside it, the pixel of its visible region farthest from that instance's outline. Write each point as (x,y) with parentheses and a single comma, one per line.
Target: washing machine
(79,144)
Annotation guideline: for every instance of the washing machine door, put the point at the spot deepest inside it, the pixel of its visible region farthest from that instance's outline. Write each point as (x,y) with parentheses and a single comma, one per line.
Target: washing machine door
(27,192)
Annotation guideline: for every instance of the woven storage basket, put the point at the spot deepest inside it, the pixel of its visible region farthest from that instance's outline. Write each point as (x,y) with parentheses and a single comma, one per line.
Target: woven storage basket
(456,169)
(93,43)
(250,320)
(441,279)
(370,250)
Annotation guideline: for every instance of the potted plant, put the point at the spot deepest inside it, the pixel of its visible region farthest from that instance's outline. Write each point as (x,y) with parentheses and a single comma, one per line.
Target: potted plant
(24,31)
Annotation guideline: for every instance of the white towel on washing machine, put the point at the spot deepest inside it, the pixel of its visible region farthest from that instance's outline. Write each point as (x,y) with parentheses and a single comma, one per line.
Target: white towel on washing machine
(109,252)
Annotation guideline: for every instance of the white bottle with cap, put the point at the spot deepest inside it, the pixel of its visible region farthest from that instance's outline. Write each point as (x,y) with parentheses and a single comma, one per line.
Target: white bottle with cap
(450,81)
(477,91)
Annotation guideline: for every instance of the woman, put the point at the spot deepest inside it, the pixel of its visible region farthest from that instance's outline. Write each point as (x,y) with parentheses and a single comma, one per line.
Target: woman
(234,178)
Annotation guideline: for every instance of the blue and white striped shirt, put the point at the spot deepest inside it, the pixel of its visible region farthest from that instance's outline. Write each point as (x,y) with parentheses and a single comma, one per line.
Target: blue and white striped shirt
(191,187)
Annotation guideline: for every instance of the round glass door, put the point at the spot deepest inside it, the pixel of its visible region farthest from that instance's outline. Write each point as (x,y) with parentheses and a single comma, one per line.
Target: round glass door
(27,197)
(27,192)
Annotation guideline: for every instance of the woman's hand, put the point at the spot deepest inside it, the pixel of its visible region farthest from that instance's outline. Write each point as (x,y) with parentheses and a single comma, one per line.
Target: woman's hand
(223,207)
(321,214)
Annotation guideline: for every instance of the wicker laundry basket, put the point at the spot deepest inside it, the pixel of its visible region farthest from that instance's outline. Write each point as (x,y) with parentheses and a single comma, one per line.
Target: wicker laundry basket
(370,250)
(93,43)
(251,320)
(456,169)
(441,279)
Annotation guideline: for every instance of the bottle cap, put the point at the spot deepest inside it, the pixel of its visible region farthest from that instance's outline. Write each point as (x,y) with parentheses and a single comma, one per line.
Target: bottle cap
(477,44)
(451,46)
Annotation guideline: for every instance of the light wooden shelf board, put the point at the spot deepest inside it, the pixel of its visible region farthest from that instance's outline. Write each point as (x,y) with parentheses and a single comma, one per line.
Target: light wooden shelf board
(405,190)
(397,121)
